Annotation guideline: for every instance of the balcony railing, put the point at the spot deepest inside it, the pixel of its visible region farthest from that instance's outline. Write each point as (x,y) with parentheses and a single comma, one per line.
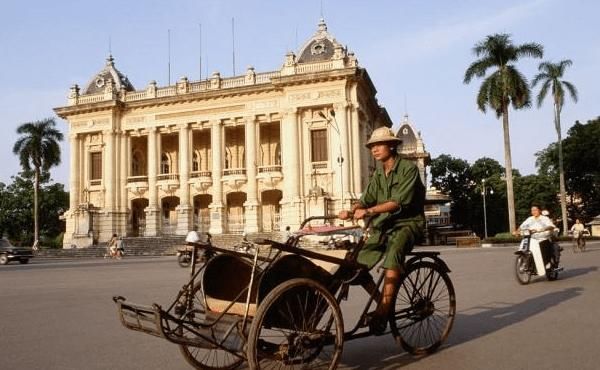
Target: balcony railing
(269,168)
(319,165)
(132,179)
(168,176)
(234,171)
(195,174)
(96,182)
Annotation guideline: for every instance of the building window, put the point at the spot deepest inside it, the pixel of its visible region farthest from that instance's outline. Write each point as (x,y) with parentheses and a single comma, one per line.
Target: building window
(318,145)
(96,166)
(165,163)
(196,162)
(137,165)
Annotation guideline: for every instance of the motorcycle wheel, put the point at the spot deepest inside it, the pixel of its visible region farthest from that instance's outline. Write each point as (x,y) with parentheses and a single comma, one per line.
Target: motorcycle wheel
(522,269)
(551,275)
(184,260)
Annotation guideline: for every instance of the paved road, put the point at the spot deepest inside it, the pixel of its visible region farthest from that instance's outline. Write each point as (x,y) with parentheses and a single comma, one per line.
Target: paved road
(59,315)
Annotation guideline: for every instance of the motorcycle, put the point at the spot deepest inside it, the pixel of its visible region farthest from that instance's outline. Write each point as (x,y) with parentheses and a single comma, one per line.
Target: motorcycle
(531,260)
(184,255)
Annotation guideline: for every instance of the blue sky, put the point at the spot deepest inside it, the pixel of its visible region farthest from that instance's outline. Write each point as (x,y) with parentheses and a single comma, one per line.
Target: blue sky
(415,52)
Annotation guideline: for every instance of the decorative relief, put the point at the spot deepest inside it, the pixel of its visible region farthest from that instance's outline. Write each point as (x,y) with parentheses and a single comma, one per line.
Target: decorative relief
(266,104)
(136,119)
(315,95)
(231,108)
(330,93)
(299,97)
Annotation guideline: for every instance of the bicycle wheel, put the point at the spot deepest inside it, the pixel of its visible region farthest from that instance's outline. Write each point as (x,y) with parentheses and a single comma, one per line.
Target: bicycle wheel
(522,269)
(298,325)
(206,357)
(425,308)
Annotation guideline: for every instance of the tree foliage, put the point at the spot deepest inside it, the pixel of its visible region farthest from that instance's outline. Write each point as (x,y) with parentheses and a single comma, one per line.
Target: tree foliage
(16,209)
(582,168)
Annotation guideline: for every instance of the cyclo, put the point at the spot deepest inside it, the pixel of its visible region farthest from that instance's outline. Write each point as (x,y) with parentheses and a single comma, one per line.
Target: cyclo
(280,306)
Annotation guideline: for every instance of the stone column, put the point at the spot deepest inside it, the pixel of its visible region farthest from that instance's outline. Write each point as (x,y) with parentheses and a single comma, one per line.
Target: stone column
(184,210)
(290,145)
(251,206)
(341,116)
(74,175)
(152,211)
(109,171)
(124,163)
(355,154)
(216,207)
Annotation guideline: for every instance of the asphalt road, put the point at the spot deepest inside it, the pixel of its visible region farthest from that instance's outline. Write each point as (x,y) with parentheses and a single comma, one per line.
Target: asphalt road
(58,314)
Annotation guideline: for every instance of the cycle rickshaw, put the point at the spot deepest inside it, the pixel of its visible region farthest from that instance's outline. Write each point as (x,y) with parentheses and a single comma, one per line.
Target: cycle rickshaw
(278,305)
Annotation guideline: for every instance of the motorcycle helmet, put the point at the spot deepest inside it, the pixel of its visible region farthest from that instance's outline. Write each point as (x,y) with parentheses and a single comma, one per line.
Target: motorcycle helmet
(192,237)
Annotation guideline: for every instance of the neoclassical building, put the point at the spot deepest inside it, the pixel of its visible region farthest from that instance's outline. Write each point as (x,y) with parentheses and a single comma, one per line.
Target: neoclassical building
(255,152)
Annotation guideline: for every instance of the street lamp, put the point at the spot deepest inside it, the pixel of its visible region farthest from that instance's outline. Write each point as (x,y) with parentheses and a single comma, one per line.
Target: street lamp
(483,191)
(340,158)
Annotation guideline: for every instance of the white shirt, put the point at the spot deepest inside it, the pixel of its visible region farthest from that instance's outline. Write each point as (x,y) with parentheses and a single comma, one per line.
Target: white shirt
(538,223)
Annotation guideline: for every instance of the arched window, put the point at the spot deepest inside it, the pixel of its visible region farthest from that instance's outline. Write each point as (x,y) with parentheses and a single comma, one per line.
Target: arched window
(165,163)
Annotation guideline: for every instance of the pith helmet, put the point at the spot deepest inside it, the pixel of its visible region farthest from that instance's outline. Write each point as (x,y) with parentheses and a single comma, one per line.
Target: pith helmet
(383,135)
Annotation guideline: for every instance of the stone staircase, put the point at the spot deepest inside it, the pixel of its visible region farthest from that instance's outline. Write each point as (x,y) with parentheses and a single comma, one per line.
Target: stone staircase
(150,246)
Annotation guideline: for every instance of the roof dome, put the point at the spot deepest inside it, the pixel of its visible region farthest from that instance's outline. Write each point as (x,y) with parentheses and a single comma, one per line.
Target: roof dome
(109,72)
(319,47)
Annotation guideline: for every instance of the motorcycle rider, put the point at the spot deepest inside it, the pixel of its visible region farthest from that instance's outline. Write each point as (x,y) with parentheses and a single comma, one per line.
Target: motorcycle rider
(541,228)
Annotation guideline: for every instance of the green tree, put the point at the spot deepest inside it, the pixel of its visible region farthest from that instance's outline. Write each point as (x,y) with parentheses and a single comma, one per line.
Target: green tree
(453,177)
(550,77)
(38,150)
(505,86)
(538,189)
(16,208)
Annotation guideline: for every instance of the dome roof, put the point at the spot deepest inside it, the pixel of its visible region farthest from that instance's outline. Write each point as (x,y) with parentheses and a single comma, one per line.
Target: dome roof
(109,72)
(319,47)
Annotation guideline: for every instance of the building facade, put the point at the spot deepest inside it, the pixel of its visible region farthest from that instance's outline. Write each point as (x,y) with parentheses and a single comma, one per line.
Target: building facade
(255,152)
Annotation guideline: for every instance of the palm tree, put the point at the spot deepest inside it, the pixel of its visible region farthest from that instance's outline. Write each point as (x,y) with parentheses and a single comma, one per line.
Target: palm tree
(505,86)
(551,75)
(38,148)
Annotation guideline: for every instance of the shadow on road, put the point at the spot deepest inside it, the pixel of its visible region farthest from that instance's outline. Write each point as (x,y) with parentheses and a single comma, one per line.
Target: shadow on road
(497,315)
(569,273)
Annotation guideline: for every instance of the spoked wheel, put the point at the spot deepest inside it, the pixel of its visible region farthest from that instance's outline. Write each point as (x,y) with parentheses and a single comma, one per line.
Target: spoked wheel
(297,326)
(206,356)
(523,269)
(425,308)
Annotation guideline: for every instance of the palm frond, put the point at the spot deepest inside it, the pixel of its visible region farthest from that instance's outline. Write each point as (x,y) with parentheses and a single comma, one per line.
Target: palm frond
(477,69)
(543,92)
(539,77)
(532,50)
(572,90)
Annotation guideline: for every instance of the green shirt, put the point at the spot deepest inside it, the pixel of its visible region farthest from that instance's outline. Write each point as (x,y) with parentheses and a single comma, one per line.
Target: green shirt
(403,185)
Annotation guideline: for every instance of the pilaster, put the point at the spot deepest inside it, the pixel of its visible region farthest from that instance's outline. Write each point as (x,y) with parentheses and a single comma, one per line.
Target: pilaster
(290,144)
(216,207)
(184,210)
(152,211)
(251,205)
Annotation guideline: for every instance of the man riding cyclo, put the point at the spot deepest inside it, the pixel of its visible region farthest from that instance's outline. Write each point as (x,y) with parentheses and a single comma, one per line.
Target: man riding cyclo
(395,198)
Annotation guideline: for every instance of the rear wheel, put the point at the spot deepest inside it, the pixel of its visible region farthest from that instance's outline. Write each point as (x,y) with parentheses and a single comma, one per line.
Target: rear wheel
(425,308)
(298,325)
(523,268)
(205,356)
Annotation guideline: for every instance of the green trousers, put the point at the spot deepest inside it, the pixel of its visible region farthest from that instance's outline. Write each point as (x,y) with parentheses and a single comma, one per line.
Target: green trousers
(392,244)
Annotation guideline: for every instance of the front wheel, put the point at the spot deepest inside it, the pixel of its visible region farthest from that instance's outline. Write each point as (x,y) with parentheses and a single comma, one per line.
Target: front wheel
(425,308)
(298,325)
(523,268)
(184,260)
(3,259)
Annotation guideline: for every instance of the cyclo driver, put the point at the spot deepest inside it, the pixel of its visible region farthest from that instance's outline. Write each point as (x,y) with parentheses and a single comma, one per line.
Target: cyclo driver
(395,197)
